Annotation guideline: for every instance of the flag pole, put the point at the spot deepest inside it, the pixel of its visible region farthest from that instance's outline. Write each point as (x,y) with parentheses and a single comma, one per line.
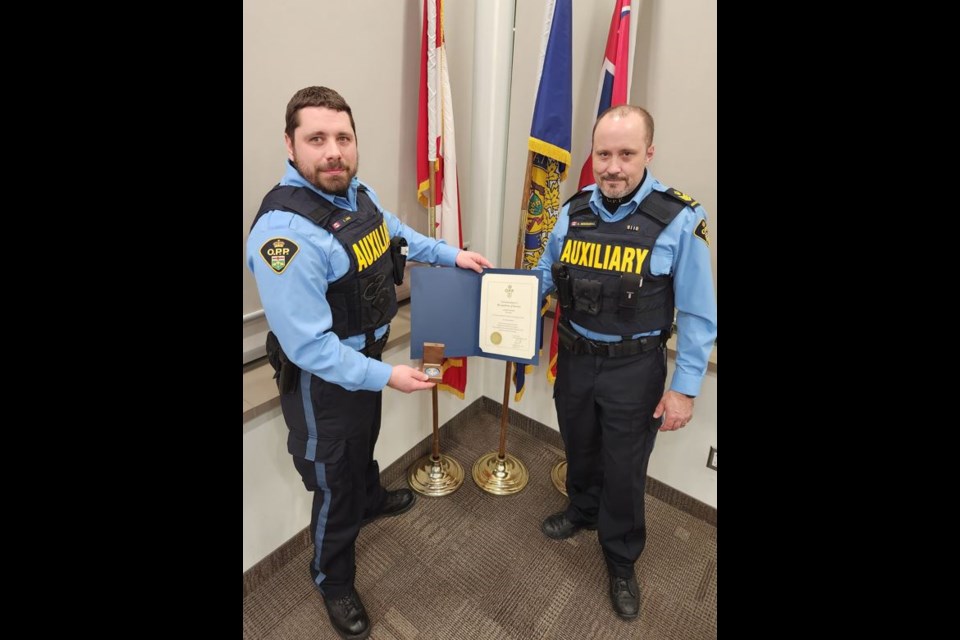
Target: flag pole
(498,472)
(434,474)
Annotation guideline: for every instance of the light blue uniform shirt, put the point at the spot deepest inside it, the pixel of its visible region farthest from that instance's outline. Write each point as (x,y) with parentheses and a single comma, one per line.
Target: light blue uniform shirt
(295,301)
(677,251)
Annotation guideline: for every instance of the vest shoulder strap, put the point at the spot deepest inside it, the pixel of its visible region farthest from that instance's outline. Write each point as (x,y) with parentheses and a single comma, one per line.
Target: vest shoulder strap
(664,206)
(579,202)
(305,203)
(302,201)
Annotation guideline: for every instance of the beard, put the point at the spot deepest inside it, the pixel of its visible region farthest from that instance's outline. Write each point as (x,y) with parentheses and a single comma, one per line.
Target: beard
(617,190)
(335,185)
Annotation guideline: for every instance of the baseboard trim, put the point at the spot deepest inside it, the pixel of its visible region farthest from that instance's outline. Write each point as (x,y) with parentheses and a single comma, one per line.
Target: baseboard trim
(266,568)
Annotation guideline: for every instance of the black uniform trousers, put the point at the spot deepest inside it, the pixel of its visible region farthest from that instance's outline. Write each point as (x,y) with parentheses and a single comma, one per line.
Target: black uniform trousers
(338,467)
(605,410)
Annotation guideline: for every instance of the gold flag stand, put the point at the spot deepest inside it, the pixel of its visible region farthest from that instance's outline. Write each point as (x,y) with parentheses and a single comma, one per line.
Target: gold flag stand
(434,474)
(559,476)
(498,472)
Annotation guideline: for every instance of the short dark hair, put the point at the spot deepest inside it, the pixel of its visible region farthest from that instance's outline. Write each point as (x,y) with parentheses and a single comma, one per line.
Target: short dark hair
(315,97)
(622,110)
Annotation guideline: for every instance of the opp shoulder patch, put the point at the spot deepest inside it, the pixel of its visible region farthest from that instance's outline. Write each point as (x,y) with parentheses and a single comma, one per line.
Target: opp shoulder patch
(701,231)
(278,252)
(682,197)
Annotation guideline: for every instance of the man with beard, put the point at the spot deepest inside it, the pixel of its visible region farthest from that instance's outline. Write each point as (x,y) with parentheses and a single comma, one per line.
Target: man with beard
(623,254)
(325,256)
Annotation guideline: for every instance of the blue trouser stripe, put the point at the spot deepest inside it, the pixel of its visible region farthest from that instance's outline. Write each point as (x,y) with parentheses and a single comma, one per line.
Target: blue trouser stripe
(321,470)
(308,414)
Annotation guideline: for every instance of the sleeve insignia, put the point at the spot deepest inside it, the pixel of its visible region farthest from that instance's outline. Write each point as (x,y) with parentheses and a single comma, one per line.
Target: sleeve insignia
(278,252)
(701,231)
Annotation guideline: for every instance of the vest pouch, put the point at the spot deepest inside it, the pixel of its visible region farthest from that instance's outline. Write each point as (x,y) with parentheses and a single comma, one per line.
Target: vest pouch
(273,352)
(629,294)
(562,281)
(289,376)
(587,295)
(398,255)
(285,372)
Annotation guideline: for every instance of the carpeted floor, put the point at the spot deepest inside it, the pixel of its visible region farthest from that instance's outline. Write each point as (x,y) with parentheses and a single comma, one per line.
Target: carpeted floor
(472,565)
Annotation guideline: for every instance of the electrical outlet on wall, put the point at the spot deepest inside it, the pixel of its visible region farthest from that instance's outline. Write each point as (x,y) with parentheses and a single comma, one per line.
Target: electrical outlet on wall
(712,459)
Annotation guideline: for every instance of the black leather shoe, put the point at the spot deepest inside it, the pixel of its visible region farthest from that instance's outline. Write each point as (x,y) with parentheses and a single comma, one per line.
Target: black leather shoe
(559,527)
(625,595)
(348,616)
(396,502)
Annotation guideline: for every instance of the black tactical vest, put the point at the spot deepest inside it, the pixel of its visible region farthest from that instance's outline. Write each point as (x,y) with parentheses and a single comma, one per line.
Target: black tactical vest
(607,266)
(365,298)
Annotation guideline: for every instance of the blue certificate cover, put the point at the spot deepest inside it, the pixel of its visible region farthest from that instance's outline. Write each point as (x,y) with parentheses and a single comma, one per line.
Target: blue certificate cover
(445,307)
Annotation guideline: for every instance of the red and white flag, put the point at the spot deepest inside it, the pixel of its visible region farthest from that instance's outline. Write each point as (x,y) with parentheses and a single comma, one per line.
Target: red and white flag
(614,86)
(436,150)
(436,144)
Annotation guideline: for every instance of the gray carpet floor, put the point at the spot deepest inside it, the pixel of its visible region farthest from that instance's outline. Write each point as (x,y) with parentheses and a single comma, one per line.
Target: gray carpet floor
(473,565)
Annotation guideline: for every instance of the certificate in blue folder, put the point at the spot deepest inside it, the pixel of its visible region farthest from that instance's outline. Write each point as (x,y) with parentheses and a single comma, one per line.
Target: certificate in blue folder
(495,314)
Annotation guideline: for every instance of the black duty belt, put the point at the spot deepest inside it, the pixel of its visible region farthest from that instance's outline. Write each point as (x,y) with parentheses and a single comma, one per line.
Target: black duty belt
(579,345)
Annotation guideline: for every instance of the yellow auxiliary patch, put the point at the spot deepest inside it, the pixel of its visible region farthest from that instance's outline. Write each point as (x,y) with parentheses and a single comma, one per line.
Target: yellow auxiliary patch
(278,252)
(701,231)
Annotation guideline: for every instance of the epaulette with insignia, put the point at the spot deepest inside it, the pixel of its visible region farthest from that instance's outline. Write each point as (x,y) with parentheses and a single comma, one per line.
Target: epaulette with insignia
(682,197)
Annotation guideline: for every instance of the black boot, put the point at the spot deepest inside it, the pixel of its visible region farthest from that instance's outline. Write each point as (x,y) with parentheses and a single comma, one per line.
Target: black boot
(559,527)
(348,616)
(396,502)
(625,595)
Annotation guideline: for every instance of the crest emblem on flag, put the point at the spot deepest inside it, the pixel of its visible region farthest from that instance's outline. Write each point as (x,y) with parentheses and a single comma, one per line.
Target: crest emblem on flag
(549,146)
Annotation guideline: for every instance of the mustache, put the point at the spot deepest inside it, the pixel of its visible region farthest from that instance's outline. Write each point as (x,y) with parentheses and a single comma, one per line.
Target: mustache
(335,165)
(611,177)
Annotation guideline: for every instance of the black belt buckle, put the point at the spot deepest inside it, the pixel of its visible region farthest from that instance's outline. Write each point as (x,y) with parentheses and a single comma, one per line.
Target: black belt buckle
(598,348)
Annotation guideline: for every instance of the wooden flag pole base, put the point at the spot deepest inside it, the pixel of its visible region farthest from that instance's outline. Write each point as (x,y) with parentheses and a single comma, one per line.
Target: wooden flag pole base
(498,472)
(435,474)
